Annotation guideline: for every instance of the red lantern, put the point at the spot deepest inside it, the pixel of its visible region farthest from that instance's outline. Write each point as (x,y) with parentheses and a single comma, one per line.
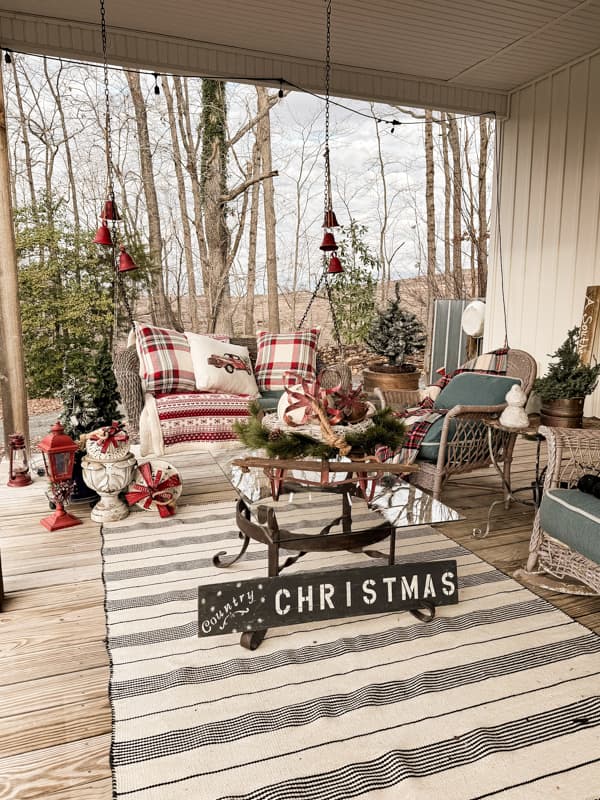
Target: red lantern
(328,243)
(109,212)
(18,465)
(126,262)
(59,451)
(335,266)
(103,236)
(330,220)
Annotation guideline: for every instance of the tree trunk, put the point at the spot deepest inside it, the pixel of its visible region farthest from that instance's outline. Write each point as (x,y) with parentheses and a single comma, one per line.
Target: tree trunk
(69,160)
(447,202)
(12,365)
(482,248)
(386,269)
(191,165)
(214,188)
(249,322)
(430,206)
(185,222)
(161,309)
(456,206)
(24,133)
(263,133)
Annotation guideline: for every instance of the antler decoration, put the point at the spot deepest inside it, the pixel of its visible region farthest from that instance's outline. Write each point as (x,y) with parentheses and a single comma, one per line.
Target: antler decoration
(313,400)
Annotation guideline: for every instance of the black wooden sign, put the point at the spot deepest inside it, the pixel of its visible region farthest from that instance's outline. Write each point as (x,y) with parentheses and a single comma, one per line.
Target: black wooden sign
(242,606)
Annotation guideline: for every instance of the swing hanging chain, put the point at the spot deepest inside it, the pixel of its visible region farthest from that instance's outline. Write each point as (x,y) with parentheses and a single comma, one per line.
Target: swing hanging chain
(327,193)
(311,301)
(119,287)
(336,329)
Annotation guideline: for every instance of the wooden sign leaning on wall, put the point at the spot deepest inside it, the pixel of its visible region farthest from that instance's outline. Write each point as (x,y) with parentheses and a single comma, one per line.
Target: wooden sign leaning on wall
(589,336)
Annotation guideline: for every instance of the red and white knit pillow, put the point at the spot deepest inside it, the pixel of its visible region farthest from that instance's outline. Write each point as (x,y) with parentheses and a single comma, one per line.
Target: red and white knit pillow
(278,353)
(165,360)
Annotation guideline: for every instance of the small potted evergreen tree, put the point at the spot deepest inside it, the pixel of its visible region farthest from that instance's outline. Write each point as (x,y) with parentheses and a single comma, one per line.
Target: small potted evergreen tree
(565,385)
(89,403)
(395,334)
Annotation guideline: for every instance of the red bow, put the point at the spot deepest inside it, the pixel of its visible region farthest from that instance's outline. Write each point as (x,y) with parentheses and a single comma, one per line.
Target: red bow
(155,491)
(111,436)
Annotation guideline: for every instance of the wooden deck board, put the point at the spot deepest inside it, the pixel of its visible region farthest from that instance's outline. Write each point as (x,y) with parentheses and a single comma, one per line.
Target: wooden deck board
(54,712)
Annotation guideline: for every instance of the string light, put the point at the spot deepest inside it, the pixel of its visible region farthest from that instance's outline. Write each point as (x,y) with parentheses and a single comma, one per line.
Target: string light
(156,86)
(269,79)
(7,57)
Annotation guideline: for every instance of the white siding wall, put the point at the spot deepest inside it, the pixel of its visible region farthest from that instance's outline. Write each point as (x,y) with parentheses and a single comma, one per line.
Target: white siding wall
(549,212)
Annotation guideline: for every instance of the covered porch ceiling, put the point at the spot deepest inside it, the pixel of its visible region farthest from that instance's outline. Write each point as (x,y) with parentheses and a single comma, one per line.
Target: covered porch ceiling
(465,55)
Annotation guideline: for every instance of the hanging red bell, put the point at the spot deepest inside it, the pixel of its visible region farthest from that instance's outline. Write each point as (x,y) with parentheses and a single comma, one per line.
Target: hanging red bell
(330,220)
(328,243)
(103,236)
(126,262)
(109,212)
(335,266)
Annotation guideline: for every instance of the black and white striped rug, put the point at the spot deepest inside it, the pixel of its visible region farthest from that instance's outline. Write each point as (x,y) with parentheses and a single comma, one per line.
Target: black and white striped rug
(497,697)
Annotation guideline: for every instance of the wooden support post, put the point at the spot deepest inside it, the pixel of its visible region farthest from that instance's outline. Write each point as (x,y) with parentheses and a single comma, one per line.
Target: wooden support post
(12,380)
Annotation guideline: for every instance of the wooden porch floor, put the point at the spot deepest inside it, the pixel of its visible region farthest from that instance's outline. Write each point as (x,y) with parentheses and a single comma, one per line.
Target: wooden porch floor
(54,712)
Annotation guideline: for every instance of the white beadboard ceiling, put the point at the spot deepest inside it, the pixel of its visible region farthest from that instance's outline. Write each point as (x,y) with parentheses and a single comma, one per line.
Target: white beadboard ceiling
(460,54)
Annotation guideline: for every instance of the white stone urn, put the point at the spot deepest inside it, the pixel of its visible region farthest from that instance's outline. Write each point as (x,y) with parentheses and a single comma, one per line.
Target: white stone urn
(109,478)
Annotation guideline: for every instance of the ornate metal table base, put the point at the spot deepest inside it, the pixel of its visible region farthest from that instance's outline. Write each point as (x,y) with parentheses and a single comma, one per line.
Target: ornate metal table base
(267,530)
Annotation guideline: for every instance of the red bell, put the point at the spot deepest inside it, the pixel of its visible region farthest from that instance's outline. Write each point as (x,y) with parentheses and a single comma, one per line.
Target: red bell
(109,212)
(330,220)
(328,243)
(103,236)
(335,266)
(126,262)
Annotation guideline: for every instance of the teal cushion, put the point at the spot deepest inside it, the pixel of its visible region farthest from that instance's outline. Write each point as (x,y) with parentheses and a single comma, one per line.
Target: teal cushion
(475,389)
(573,518)
(269,399)
(465,389)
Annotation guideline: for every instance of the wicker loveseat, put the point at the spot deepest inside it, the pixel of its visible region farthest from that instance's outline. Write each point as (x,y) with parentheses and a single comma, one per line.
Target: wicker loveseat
(565,542)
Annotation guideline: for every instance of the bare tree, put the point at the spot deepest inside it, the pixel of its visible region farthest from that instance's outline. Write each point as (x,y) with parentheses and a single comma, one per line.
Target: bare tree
(161,309)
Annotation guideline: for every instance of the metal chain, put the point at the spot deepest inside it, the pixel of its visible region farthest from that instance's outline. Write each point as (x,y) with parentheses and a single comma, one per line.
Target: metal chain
(312,299)
(119,286)
(327,193)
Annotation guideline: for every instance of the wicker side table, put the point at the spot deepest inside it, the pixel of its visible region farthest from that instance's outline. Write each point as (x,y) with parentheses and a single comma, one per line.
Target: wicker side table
(531,432)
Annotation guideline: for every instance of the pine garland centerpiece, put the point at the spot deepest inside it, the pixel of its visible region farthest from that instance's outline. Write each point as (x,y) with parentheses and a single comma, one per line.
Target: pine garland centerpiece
(336,412)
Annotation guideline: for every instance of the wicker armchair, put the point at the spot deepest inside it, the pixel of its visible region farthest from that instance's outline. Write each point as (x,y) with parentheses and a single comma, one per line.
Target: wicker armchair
(572,452)
(464,443)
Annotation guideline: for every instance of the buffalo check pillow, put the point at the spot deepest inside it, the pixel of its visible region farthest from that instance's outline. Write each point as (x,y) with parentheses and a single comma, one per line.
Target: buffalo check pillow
(165,360)
(278,353)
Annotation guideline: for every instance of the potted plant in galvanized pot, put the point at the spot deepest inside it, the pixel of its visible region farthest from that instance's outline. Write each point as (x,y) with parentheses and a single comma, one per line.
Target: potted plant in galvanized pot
(395,334)
(565,385)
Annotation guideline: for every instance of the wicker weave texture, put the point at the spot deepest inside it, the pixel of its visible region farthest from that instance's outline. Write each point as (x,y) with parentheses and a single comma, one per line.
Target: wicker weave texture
(572,452)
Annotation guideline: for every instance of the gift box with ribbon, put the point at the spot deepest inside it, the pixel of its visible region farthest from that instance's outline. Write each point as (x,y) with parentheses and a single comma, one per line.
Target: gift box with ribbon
(156,485)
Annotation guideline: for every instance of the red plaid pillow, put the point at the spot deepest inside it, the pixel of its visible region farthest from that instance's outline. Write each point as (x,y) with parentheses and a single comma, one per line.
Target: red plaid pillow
(278,353)
(165,360)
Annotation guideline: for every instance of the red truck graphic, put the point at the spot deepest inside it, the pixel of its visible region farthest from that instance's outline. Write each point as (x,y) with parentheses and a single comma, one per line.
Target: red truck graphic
(230,363)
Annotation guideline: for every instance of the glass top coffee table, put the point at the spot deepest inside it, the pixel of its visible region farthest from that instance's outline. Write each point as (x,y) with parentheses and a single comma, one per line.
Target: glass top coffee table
(305,519)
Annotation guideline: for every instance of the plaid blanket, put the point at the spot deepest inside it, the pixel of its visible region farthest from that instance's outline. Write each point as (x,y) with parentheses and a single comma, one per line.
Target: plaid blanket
(420,418)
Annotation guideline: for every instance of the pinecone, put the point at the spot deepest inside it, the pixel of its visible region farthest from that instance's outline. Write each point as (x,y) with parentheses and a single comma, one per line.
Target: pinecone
(274,435)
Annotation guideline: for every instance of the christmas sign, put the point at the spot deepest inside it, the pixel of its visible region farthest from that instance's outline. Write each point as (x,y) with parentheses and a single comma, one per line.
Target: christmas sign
(589,336)
(261,603)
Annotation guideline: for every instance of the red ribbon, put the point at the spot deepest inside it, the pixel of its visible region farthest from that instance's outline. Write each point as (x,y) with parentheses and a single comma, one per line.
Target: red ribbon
(154,490)
(111,436)
(304,399)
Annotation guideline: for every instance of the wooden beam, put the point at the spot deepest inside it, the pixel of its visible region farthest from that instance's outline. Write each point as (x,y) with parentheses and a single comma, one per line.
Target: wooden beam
(12,381)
